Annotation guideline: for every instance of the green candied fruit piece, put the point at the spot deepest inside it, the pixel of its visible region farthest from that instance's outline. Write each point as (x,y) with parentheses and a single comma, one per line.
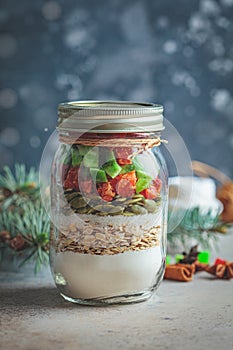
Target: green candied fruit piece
(204,257)
(66,155)
(141,185)
(168,260)
(98,175)
(106,155)
(179,257)
(112,168)
(91,159)
(143,182)
(76,157)
(137,164)
(142,175)
(127,168)
(67,159)
(83,149)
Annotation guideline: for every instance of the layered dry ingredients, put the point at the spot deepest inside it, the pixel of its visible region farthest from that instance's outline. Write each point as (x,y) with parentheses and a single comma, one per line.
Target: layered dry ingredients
(110,205)
(107,256)
(108,182)
(116,174)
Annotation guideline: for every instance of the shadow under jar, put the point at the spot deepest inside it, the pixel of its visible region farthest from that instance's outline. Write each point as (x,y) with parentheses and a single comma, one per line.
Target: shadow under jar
(109,202)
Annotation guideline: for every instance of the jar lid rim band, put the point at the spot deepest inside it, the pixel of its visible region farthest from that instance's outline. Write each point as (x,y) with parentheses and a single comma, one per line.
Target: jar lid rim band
(94,112)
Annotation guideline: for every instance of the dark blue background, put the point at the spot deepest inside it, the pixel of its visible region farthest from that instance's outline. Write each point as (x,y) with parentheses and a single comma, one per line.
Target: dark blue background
(177,53)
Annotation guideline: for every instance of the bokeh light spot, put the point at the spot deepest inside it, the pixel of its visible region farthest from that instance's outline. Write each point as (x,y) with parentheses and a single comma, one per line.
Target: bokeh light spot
(8,98)
(9,137)
(35,141)
(51,10)
(170,47)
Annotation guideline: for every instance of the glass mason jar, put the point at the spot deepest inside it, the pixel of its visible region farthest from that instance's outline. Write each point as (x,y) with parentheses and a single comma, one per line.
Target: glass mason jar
(109,202)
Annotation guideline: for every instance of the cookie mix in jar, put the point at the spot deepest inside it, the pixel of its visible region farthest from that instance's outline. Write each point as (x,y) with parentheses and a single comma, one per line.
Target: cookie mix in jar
(109,202)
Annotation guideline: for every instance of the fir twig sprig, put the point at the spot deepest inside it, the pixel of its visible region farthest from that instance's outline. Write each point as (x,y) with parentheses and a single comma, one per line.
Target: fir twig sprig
(28,234)
(204,227)
(24,223)
(7,232)
(34,226)
(19,182)
(7,222)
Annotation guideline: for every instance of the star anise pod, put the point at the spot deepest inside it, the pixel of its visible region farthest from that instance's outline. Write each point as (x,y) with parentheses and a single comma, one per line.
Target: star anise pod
(191,257)
(224,271)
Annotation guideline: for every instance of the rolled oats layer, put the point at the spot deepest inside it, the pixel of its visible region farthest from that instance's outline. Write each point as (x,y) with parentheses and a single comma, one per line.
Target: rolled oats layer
(108,235)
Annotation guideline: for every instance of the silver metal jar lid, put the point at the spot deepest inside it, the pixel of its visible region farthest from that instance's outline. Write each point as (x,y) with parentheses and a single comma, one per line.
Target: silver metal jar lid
(109,116)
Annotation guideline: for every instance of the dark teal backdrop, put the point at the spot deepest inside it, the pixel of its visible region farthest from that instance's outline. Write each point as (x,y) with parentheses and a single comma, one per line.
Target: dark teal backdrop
(177,53)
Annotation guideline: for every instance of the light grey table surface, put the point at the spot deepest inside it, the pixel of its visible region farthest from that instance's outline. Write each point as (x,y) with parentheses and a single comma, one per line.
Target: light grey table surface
(195,315)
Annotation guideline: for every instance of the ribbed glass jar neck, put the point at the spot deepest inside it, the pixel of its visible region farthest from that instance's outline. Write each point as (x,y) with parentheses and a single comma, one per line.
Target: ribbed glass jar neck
(146,139)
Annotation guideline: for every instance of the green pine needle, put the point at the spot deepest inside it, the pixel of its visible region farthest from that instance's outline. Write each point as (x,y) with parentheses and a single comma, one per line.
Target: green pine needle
(7,222)
(31,221)
(34,226)
(203,227)
(22,213)
(20,180)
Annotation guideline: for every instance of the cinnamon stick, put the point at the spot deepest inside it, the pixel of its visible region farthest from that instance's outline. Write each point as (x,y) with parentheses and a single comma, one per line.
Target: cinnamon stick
(179,272)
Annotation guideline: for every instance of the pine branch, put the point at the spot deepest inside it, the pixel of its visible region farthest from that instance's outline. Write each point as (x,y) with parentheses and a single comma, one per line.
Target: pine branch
(24,223)
(20,181)
(203,227)
(28,233)
(34,226)
(7,222)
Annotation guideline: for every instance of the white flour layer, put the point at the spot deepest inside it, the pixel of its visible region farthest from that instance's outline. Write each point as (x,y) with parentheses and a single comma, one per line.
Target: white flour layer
(94,276)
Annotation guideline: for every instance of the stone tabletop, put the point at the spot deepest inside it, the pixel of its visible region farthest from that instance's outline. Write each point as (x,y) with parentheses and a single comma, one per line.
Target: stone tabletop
(196,315)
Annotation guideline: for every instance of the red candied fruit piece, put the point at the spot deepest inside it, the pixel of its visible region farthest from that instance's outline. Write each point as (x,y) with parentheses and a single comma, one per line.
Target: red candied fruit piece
(153,191)
(64,172)
(219,261)
(122,154)
(106,191)
(124,188)
(131,177)
(125,184)
(157,183)
(149,193)
(123,161)
(113,182)
(71,180)
(86,186)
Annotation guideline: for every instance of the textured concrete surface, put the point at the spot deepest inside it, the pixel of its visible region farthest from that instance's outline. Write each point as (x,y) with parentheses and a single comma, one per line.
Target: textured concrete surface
(195,315)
